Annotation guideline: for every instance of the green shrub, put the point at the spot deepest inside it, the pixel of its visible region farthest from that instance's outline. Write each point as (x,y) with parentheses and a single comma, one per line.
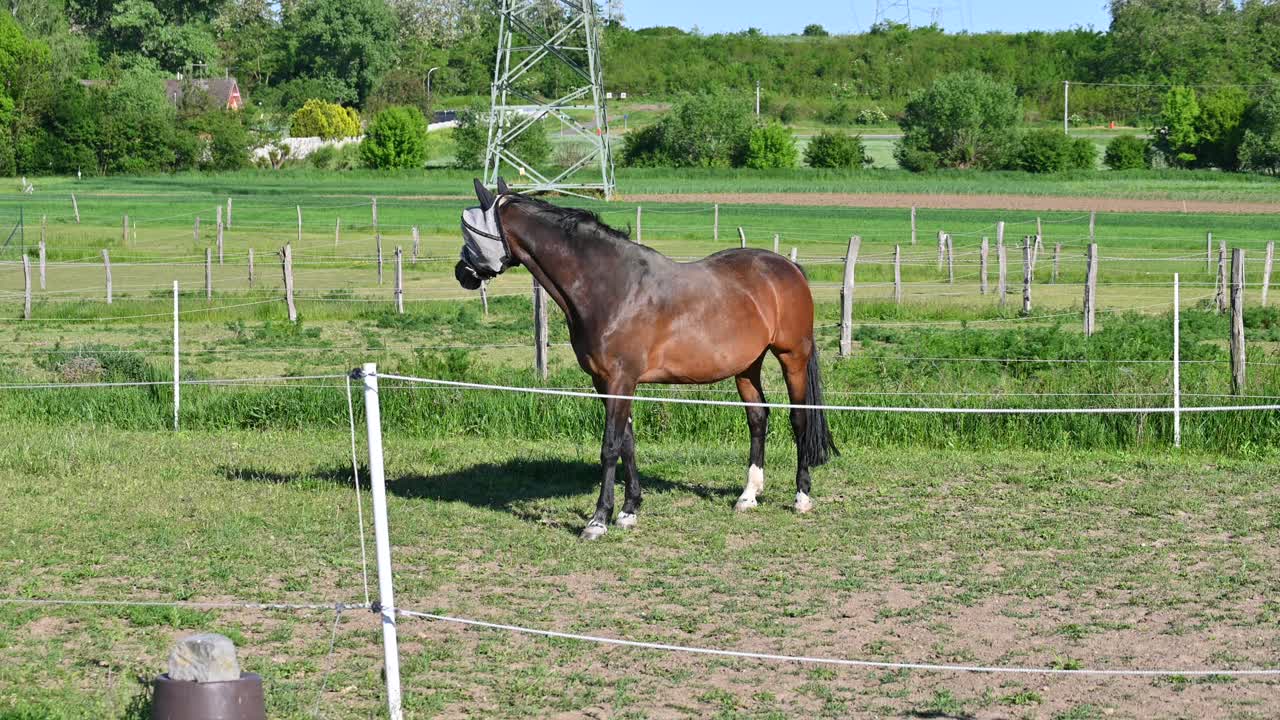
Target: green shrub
(872,116)
(1043,151)
(789,113)
(397,138)
(470,137)
(962,120)
(699,131)
(1260,148)
(326,120)
(1126,152)
(836,150)
(842,113)
(771,146)
(1082,154)
(1175,135)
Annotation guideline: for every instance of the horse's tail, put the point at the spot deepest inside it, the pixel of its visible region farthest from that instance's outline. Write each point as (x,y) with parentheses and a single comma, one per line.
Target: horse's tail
(816,446)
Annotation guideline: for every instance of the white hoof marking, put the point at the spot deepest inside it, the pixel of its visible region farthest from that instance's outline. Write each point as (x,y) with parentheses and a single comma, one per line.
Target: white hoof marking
(803,503)
(626,521)
(593,531)
(755,486)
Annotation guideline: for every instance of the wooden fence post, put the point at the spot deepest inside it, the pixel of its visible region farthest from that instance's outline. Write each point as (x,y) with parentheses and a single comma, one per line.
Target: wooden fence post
(299,225)
(639,227)
(373,205)
(1057,253)
(250,268)
(942,249)
(399,281)
(742,237)
(44,228)
(42,264)
(219,230)
(484,296)
(1039,232)
(1221,293)
(417,242)
(1208,251)
(1266,271)
(337,230)
(846,296)
(715,223)
(228,213)
(951,261)
(124,232)
(1027,245)
(913,224)
(776,240)
(106,265)
(26,287)
(195,231)
(287,255)
(983,251)
(1237,322)
(379,241)
(897,274)
(999,233)
(1177,364)
(1002,267)
(1035,253)
(1093,217)
(795,255)
(208,274)
(75,208)
(539,330)
(1090,288)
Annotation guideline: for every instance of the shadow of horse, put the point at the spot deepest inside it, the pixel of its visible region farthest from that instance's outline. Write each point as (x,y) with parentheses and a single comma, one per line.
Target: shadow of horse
(514,486)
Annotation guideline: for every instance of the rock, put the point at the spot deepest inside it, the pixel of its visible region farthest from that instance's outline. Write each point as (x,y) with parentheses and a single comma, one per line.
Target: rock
(207,657)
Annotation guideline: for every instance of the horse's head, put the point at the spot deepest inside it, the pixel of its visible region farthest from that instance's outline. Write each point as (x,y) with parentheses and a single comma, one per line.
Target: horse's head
(485,253)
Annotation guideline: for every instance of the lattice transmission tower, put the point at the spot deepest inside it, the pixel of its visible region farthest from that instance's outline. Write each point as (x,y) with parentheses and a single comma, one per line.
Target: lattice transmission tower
(897,12)
(541,43)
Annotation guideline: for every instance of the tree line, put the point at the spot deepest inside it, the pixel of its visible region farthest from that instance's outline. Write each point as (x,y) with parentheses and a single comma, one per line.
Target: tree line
(370,55)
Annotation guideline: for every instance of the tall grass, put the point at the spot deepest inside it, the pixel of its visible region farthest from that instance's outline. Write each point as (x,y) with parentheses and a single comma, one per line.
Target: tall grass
(911,367)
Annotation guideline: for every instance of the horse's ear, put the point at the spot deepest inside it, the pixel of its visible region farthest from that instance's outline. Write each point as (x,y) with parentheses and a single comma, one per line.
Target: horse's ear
(502,187)
(485,197)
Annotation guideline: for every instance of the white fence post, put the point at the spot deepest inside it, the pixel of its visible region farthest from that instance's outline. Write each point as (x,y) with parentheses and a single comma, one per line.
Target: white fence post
(26,287)
(106,264)
(742,237)
(639,227)
(897,274)
(382,541)
(1266,271)
(715,223)
(983,251)
(44,256)
(913,224)
(75,208)
(846,297)
(776,241)
(1177,369)
(177,386)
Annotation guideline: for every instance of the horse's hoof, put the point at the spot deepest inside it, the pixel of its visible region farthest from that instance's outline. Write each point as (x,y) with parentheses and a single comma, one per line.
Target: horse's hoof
(744,504)
(626,521)
(593,531)
(803,503)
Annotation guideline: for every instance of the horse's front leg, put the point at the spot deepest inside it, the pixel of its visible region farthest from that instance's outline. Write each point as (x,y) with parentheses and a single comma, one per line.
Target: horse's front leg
(617,416)
(631,500)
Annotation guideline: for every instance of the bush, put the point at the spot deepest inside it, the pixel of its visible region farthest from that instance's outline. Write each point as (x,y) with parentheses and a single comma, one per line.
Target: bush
(1043,151)
(788,113)
(700,131)
(842,113)
(1176,138)
(326,120)
(872,116)
(1082,154)
(962,120)
(1260,149)
(771,146)
(470,136)
(397,138)
(1126,152)
(836,150)
(1220,128)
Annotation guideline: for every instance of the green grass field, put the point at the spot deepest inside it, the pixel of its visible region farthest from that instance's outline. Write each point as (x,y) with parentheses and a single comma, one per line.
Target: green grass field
(1055,541)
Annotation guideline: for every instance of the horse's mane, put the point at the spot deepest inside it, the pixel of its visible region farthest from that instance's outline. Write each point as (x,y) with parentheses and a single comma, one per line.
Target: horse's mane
(575,223)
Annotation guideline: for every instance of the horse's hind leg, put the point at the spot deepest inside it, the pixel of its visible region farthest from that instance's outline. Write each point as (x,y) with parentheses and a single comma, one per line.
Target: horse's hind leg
(751,391)
(795,372)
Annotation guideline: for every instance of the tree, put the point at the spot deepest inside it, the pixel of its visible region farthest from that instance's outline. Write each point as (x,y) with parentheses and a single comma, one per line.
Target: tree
(770,146)
(836,150)
(709,130)
(397,138)
(962,120)
(815,30)
(1126,152)
(348,40)
(1260,148)
(1175,133)
(1220,128)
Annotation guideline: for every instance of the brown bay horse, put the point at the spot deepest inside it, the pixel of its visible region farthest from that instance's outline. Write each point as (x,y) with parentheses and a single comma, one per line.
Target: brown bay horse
(636,316)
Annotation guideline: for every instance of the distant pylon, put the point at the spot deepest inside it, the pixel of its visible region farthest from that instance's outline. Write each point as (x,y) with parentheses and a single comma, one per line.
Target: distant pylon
(897,12)
(554,37)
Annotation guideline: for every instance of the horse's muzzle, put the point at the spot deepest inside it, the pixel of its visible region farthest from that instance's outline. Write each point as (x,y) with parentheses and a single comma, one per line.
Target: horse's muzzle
(466,276)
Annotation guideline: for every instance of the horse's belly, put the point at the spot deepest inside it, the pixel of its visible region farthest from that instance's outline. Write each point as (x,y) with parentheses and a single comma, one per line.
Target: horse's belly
(703,361)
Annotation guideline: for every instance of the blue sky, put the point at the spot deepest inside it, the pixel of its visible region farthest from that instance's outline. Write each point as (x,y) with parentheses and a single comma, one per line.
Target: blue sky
(842,16)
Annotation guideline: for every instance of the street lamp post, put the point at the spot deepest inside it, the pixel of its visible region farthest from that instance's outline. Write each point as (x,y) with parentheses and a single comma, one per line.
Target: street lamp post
(429,86)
